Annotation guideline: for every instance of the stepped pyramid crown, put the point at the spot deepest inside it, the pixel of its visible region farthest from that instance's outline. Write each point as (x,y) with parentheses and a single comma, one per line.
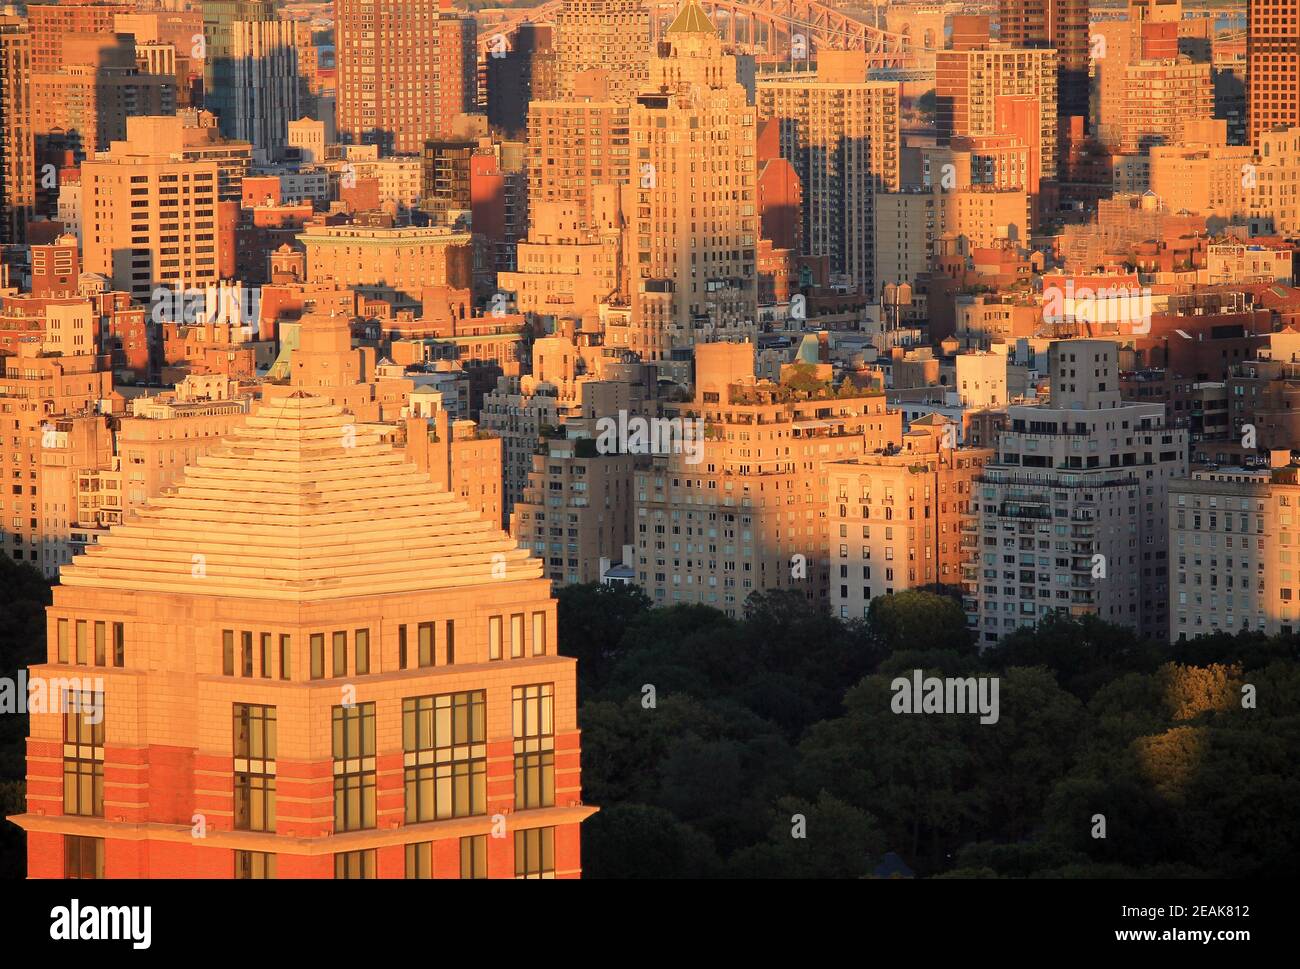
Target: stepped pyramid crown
(302,504)
(691,19)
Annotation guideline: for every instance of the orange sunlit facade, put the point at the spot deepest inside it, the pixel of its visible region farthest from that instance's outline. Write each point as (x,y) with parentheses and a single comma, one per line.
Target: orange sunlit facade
(313,663)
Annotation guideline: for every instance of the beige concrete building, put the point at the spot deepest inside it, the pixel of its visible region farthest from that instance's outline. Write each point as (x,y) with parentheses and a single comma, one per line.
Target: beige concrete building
(1160,99)
(577,506)
(609,36)
(840,132)
(564,268)
(149,216)
(392,264)
(695,225)
(748,510)
(899,516)
(1073,512)
(577,146)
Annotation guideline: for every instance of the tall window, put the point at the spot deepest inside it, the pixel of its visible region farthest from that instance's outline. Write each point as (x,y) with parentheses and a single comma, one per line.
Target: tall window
(254,767)
(494,637)
(246,653)
(401,647)
(267,653)
(444,739)
(354,767)
(419,860)
(254,864)
(340,654)
(317,656)
(539,634)
(63,641)
(473,856)
(450,640)
(286,656)
(228,652)
(83,857)
(83,650)
(534,731)
(83,753)
(426,644)
(535,853)
(361,642)
(355,864)
(119,644)
(517,635)
(101,644)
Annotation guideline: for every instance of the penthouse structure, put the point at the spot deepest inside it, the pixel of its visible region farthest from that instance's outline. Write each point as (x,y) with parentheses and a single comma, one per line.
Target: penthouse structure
(277,674)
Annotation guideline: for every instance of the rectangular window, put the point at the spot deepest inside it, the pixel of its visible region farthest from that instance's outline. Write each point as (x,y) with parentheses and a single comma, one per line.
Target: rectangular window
(451,641)
(534,733)
(539,634)
(354,767)
(286,651)
(228,652)
(494,637)
(517,635)
(83,753)
(254,748)
(401,647)
(246,653)
(355,864)
(419,860)
(101,644)
(361,642)
(340,654)
(119,644)
(426,644)
(444,743)
(63,641)
(83,650)
(535,853)
(473,856)
(317,656)
(266,656)
(83,857)
(254,864)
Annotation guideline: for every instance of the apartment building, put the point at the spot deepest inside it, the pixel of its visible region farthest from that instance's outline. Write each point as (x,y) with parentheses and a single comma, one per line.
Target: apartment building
(747,509)
(901,516)
(1073,511)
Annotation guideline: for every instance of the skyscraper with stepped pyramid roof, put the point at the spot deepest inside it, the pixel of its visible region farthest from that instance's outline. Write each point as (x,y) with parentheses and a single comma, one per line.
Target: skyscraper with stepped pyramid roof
(305,661)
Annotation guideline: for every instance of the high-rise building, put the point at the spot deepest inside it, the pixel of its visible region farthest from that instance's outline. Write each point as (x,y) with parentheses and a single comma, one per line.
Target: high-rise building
(17,149)
(577,145)
(1061,25)
(693,237)
(968,84)
(265,96)
(1272,66)
(319,706)
(149,215)
(220,59)
(840,132)
(405,70)
(1073,512)
(612,36)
